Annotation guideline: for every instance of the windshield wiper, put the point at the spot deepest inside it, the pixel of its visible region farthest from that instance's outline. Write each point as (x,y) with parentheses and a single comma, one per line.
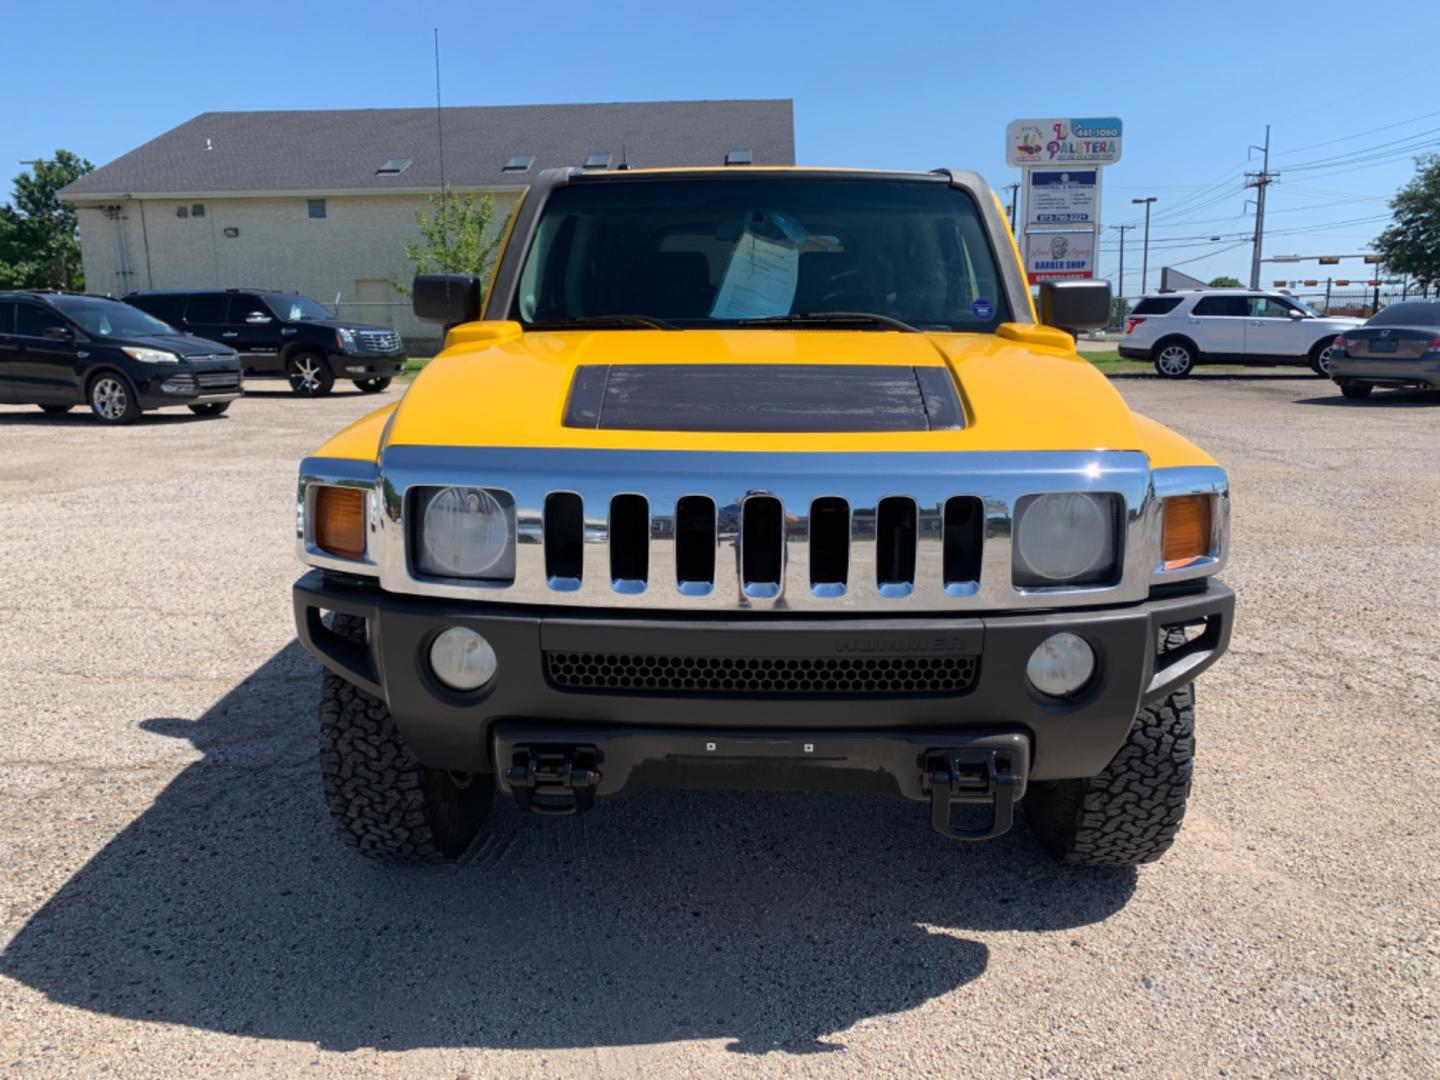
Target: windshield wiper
(588,322)
(831,317)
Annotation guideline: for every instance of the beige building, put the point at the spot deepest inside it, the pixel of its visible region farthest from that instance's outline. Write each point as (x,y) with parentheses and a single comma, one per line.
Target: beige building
(321,202)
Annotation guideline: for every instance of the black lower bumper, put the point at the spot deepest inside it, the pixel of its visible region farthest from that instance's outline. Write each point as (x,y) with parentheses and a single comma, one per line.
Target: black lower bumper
(1130,352)
(349,366)
(1068,738)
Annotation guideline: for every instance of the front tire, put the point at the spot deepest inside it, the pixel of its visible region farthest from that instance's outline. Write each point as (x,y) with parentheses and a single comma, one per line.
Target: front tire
(1130,813)
(373,386)
(1174,359)
(382,801)
(1356,391)
(1320,355)
(309,374)
(112,399)
(210,408)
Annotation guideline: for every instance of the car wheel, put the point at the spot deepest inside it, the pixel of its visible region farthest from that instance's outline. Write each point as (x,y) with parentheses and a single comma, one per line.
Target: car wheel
(1320,357)
(309,374)
(112,401)
(1174,359)
(1356,391)
(373,386)
(56,409)
(210,408)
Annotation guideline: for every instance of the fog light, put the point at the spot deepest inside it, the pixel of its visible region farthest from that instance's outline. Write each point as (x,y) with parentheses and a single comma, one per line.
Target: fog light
(1061,665)
(462,659)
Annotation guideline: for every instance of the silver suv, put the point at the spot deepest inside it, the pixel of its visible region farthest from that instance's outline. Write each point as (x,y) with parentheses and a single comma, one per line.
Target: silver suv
(1178,330)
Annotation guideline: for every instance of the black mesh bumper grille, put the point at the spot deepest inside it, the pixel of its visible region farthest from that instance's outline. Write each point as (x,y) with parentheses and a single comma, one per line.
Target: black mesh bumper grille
(720,675)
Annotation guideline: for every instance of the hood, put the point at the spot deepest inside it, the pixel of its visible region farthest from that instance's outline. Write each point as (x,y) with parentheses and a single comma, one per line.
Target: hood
(763,389)
(344,324)
(183,345)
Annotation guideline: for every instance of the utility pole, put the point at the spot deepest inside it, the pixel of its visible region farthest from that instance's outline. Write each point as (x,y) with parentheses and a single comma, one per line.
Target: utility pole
(1120,286)
(1014,190)
(1260,181)
(1145,251)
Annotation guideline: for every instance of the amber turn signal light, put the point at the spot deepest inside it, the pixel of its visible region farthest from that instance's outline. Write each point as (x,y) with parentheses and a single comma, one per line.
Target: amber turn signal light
(1187,529)
(340,521)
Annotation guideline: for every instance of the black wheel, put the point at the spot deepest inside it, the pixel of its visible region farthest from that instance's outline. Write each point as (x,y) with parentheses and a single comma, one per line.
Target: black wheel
(56,409)
(1130,813)
(1320,354)
(112,400)
(1356,391)
(210,408)
(309,374)
(373,386)
(383,802)
(1174,359)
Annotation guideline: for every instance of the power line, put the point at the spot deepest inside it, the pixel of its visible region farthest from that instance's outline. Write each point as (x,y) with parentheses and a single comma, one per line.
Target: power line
(1362,134)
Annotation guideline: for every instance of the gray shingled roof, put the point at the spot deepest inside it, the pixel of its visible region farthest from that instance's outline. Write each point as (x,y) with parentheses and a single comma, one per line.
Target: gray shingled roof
(339,149)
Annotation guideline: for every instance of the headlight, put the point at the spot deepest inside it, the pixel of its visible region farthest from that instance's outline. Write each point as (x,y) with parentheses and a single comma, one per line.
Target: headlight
(150,356)
(345,339)
(1066,539)
(465,532)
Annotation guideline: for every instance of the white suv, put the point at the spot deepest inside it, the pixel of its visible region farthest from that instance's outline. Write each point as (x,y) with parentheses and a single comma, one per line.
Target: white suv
(1209,326)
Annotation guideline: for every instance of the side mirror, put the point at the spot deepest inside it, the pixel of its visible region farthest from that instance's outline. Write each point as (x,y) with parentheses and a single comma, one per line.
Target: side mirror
(1075,305)
(1294,314)
(59,333)
(258,318)
(450,299)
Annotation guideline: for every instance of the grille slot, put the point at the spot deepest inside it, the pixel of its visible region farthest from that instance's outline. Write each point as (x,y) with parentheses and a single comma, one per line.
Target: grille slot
(695,545)
(964,539)
(762,545)
(218,380)
(629,543)
(895,536)
(829,546)
(564,539)
(626,673)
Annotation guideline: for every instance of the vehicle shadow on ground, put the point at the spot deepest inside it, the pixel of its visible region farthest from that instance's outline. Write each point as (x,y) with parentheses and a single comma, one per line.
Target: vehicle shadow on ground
(1384,399)
(774,921)
(83,417)
(280,392)
(1220,376)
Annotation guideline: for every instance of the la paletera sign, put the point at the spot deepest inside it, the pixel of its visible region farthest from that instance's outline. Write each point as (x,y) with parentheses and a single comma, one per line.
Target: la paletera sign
(1054,141)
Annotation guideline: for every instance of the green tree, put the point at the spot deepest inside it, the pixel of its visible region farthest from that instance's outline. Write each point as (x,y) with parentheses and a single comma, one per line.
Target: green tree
(39,242)
(1225,281)
(458,236)
(1411,243)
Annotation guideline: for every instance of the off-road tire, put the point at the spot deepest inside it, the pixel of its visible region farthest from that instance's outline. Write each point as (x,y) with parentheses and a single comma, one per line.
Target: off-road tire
(309,374)
(210,408)
(373,386)
(1356,391)
(1169,361)
(1131,812)
(383,802)
(1320,354)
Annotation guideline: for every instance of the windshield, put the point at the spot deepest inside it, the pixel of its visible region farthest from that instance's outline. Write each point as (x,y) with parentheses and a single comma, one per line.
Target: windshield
(719,252)
(295,308)
(111,318)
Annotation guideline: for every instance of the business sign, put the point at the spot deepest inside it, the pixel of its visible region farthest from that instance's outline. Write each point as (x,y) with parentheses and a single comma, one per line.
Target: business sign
(1053,255)
(1062,142)
(1062,197)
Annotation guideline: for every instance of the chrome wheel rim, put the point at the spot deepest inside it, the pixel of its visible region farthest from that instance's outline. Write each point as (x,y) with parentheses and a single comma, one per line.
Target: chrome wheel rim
(307,375)
(109,399)
(1174,360)
(1323,360)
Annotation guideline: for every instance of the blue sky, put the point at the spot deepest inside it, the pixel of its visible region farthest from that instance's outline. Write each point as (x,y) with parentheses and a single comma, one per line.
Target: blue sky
(909,85)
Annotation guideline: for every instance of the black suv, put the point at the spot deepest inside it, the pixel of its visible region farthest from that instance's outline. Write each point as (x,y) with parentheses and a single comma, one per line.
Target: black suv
(283,334)
(59,350)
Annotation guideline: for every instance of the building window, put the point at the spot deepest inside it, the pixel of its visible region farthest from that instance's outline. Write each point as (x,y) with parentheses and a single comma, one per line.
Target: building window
(198,210)
(315,207)
(182,211)
(519,163)
(393,167)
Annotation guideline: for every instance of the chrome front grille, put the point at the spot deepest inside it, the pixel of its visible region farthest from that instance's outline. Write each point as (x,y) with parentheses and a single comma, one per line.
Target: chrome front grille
(380,341)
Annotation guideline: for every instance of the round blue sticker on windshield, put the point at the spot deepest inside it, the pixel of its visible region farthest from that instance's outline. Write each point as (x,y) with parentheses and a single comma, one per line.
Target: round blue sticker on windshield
(983,309)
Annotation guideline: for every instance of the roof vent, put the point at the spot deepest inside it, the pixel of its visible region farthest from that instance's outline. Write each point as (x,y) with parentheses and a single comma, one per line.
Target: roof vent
(393,167)
(598,161)
(738,157)
(519,163)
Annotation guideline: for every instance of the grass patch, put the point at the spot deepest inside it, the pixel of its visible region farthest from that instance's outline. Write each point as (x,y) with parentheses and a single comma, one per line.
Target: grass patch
(413,366)
(1112,363)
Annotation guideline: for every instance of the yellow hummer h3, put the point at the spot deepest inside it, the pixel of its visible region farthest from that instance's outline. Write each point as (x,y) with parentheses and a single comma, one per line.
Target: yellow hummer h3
(761,478)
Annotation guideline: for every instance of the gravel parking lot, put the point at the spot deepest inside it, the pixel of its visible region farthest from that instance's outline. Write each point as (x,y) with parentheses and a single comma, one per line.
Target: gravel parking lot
(171,902)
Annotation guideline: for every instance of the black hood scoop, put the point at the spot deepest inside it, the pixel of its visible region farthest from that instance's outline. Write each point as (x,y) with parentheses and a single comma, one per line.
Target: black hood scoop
(763,398)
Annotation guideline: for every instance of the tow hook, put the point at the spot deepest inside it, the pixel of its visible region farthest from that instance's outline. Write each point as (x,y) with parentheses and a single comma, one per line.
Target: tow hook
(971,776)
(554,781)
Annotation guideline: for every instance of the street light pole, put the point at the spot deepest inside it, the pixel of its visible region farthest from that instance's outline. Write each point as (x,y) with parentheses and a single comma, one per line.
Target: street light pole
(1145,254)
(1120,285)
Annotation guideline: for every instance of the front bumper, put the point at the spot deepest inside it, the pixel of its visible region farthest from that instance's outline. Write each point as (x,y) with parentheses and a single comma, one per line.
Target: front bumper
(160,389)
(1373,371)
(362,366)
(1071,738)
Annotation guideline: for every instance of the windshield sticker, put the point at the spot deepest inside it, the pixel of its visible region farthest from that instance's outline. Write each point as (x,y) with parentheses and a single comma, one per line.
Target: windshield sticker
(764,269)
(983,309)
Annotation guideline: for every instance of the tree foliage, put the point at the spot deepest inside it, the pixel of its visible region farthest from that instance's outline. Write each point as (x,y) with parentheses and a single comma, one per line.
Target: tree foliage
(39,242)
(1411,243)
(1225,281)
(458,236)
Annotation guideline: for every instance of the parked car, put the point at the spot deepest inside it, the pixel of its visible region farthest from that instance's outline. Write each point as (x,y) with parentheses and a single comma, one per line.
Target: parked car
(59,350)
(761,478)
(1398,346)
(1178,330)
(285,334)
